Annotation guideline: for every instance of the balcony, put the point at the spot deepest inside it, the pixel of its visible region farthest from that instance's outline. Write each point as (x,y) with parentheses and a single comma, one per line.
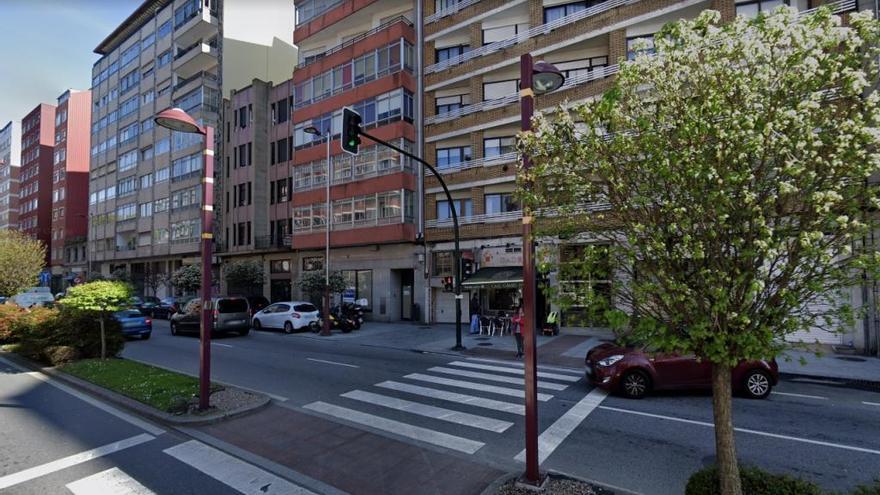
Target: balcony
(579,80)
(516,215)
(353,224)
(310,9)
(506,158)
(385,25)
(196,58)
(190,83)
(449,10)
(203,24)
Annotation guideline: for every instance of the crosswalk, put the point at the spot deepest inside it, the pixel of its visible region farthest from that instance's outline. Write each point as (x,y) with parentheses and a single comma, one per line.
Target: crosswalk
(457,406)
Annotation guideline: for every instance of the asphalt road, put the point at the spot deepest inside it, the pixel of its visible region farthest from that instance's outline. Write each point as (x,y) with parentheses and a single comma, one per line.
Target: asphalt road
(820,432)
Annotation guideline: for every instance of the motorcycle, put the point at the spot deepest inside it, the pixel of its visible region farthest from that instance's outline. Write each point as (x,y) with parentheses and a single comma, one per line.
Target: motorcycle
(337,321)
(354,312)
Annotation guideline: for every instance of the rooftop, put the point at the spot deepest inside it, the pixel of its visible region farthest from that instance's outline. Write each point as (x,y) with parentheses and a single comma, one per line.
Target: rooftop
(130,25)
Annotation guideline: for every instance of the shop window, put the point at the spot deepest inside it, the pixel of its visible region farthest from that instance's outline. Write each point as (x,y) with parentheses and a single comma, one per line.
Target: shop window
(361,281)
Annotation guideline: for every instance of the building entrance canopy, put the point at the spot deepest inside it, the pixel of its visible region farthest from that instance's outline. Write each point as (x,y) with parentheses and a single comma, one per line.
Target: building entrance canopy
(500,276)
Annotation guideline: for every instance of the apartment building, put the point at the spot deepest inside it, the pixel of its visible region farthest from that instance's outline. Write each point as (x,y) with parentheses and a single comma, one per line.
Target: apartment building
(10,166)
(357,54)
(70,188)
(144,192)
(472,115)
(35,178)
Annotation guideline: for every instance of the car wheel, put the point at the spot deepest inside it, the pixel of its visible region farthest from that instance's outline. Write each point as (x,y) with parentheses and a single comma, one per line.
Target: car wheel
(145,336)
(174,329)
(635,384)
(756,384)
(257,325)
(288,327)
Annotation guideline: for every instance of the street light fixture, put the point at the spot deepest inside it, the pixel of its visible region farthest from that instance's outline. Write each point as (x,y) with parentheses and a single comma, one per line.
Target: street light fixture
(325,331)
(536,78)
(178,120)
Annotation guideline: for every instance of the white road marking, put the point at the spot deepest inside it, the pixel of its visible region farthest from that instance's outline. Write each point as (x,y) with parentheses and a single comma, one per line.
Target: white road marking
(332,362)
(518,364)
(72,460)
(221,345)
(745,430)
(495,378)
(470,400)
(512,392)
(415,432)
(128,418)
(231,471)
(515,371)
(461,418)
(871,403)
(110,482)
(553,436)
(800,395)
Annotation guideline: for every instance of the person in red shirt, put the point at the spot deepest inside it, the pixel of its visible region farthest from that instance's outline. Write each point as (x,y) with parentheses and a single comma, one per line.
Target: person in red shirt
(516,322)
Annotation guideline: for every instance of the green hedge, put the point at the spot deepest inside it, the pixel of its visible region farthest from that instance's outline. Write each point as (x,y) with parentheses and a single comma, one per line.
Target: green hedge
(754,482)
(37,334)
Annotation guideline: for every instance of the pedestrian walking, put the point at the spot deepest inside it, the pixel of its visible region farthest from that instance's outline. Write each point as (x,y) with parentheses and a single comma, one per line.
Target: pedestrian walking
(475,313)
(516,322)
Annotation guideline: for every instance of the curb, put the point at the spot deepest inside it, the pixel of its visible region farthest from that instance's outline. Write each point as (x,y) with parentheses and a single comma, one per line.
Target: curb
(134,406)
(853,383)
(603,488)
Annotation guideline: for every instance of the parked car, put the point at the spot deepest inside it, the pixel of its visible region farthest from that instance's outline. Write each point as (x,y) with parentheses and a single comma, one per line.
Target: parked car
(231,314)
(134,323)
(35,296)
(147,303)
(635,371)
(168,306)
(257,303)
(288,316)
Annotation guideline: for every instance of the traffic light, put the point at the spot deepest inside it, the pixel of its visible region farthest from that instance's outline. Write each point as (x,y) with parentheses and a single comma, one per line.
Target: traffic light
(351,129)
(467,268)
(448,284)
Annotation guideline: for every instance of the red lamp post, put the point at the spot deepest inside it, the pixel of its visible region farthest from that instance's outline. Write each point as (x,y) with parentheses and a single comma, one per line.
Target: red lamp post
(178,120)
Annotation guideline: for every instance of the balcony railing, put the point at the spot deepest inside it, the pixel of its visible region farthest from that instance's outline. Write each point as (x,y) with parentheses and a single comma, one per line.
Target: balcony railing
(385,25)
(205,74)
(478,162)
(448,11)
(531,33)
(354,224)
(304,17)
(484,218)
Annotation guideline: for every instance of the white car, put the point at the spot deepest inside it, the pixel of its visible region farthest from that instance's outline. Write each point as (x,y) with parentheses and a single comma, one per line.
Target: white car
(35,296)
(289,316)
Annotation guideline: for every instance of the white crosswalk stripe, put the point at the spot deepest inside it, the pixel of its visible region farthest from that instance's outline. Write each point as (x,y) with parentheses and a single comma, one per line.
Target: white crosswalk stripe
(519,364)
(398,428)
(462,418)
(113,481)
(470,400)
(515,371)
(495,378)
(512,392)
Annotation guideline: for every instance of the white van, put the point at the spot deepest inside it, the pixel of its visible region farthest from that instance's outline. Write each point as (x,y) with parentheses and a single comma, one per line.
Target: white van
(35,296)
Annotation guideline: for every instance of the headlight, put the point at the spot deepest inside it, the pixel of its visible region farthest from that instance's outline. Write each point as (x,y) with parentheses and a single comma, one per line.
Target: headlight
(610,360)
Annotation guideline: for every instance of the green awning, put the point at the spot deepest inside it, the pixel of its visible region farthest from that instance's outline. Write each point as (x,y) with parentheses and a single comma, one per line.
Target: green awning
(495,276)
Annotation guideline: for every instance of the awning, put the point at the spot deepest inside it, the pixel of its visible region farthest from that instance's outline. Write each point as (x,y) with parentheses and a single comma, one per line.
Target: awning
(495,276)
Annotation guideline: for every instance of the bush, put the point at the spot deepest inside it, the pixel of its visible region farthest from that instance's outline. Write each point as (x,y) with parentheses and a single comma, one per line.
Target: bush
(9,316)
(61,354)
(43,329)
(872,489)
(754,482)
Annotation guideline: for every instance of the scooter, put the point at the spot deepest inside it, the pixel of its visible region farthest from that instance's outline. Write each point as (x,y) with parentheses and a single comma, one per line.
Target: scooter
(354,312)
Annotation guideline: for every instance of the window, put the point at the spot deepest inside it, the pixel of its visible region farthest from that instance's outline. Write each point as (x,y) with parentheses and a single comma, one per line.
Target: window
(164,29)
(187,197)
(494,147)
(129,54)
(146,209)
(128,106)
(187,230)
(448,103)
(147,124)
(128,161)
(148,97)
(160,205)
(279,266)
(126,212)
(361,283)
(645,44)
(280,111)
(449,157)
(129,81)
(312,263)
(186,166)
(162,146)
(160,236)
(129,133)
(751,9)
(60,156)
(148,40)
(161,175)
(164,58)
(442,263)
(126,186)
(502,33)
(574,68)
(500,203)
(446,53)
(500,89)
(185,12)
(559,11)
(146,181)
(463,208)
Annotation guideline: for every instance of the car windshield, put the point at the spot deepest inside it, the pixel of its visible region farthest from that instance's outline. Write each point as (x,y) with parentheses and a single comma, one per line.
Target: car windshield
(232,306)
(305,308)
(129,313)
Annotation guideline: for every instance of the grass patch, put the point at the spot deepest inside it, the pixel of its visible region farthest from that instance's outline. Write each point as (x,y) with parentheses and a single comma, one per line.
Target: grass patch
(153,386)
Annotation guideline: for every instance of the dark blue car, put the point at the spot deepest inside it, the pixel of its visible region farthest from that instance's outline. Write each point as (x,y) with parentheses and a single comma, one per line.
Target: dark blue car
(134,323)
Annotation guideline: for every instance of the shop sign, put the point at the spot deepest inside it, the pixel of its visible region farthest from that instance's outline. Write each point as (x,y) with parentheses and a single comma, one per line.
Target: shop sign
(501,256)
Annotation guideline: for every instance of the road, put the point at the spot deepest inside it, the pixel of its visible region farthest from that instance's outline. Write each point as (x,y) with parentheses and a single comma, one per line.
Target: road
(469,406)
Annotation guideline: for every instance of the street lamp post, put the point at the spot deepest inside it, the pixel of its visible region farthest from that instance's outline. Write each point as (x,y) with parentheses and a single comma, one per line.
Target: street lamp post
(178,120)
(325,331)
(535,78)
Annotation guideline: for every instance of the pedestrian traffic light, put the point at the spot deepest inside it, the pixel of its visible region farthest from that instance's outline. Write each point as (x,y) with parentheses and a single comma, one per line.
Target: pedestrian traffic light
(448,284)
(467,268)
(351,130)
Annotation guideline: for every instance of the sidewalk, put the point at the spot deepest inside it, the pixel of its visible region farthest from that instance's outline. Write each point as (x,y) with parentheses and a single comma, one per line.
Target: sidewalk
(831,365)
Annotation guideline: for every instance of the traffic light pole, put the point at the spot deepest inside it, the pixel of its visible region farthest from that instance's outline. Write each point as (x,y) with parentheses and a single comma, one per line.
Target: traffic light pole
(457,252)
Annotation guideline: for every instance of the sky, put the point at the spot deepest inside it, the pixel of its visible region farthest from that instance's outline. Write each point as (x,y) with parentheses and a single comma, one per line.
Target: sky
(46,47)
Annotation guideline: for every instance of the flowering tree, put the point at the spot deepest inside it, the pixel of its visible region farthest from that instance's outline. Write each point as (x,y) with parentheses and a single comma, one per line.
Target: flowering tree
(22,258)
(728,174)
(187,278)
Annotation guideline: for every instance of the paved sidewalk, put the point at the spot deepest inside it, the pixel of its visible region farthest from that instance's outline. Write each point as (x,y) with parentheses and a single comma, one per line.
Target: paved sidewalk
(831,365)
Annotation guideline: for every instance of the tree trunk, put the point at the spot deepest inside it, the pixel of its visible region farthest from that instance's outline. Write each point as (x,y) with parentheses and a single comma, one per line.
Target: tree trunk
(725,450)
(103,339)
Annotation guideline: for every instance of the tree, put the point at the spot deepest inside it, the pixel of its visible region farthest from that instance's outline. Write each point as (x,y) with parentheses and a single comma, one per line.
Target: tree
(313,284)
(102,299)
(120,275)
(153,279)
(248,274)
(22,258)
(728,176)
(187,278)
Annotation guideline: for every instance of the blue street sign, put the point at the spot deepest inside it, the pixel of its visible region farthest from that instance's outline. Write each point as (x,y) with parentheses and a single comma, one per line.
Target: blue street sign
(45,278)
(348,295)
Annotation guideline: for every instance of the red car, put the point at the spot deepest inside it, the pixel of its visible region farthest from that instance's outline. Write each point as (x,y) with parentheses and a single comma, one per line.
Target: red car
(635,371)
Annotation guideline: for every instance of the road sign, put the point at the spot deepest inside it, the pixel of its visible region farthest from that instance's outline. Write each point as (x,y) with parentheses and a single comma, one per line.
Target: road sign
(348,295)
(45,278)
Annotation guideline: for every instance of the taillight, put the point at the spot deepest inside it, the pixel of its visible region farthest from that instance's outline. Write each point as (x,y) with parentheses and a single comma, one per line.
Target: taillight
(295,315)
(148,321)
(216,315)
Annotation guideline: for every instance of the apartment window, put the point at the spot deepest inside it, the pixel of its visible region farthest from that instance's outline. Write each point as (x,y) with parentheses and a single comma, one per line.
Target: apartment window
(160,205)
(448,52)
(185,12)
(129,55)
(242,189)
(161,175)
(148,97)
(500,89)
(282,189)
(187,197)
(280,111)
(449,103)
(559,11)
(580,67)
(147,153)
(279,266)
(242,117)
(463,208)
(146,181)
(162,146)
(128,161)
(502,33)
(147,72)
(164,58)
(164,29)
(60,155)
(444,4)
(126,186)
(160,236)
(645,44)
(751,9)
(493,147)
(129,132)
(146,209)
(128,106)
(500,203)
(185,230)
(148,40)
(129,81)
(126,212)
(186,166)
(449,157)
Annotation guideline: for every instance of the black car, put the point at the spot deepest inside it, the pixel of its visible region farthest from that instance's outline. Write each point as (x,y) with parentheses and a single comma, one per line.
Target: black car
(257,303)
(168,306)
(145,304)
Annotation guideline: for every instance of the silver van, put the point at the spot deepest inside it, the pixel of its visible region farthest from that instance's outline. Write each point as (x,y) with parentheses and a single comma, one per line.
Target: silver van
(230,314)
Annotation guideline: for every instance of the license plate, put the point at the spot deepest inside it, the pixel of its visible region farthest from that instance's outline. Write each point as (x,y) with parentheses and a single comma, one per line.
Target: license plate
(235,322)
